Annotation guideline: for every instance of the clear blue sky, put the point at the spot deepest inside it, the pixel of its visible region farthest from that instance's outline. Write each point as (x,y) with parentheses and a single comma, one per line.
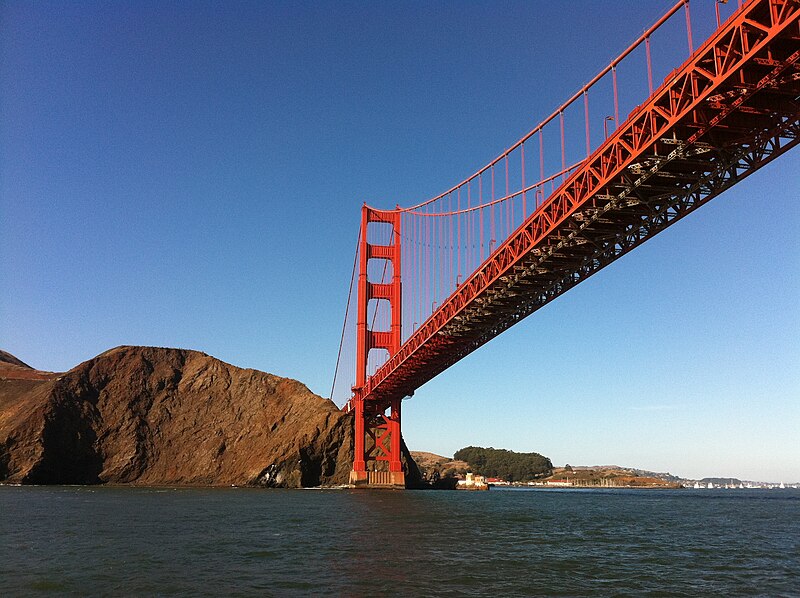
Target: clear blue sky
(189,174)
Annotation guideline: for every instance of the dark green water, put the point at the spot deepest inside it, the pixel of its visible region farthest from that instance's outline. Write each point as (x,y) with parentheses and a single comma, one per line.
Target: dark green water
(142,542)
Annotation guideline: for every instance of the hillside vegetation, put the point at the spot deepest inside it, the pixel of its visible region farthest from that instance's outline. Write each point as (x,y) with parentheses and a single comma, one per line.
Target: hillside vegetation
(505,464)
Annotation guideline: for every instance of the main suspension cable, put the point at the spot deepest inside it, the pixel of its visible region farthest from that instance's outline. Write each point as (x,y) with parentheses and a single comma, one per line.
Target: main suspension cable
(346,313)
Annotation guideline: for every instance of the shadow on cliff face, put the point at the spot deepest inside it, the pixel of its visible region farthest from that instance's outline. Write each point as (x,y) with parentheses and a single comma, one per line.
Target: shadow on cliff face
(5,450)
(325,461)
(328,461)
(70,451)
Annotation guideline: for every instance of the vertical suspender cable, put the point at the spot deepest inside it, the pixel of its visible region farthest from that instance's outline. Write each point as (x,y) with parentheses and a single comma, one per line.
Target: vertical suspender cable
(586,120)
(541,161)
(450,221)
(480,211)
(508,203)
(688,26)
(491,225)
(458,276)
(524,202)
(563,147)
(468,268)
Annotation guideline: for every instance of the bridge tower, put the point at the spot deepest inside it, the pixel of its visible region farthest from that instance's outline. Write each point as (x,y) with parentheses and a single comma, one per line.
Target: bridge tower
(377,460)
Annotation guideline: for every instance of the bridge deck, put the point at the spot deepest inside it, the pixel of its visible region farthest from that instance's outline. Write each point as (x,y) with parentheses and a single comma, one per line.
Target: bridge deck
(728,110)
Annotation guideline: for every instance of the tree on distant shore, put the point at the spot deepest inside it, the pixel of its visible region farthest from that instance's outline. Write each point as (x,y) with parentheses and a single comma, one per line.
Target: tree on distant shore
(505,464)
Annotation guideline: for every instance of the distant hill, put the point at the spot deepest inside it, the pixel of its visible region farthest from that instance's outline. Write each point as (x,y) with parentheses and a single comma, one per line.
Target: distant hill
(630,471)
(581,475)
(505,464)
(12,368)
(612,475)
(6,357)
(429,463)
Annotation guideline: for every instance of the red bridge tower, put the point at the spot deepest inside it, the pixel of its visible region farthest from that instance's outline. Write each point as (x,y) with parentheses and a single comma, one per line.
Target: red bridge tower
(377,461)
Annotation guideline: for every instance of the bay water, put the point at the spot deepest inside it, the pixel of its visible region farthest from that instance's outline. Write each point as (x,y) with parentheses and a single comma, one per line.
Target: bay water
(506,542)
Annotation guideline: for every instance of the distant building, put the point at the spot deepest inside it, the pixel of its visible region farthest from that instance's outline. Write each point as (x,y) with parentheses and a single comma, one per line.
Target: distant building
(472,482)
(497,482)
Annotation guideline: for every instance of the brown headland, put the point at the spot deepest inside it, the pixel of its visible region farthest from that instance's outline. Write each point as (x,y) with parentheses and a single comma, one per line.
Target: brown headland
(156,416)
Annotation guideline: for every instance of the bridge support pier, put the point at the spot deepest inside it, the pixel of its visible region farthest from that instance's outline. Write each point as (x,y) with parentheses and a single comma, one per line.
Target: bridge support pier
(377,462)
(378,456)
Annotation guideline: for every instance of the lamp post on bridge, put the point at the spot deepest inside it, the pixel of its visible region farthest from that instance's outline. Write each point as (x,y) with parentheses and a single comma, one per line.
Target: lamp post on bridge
(605,125)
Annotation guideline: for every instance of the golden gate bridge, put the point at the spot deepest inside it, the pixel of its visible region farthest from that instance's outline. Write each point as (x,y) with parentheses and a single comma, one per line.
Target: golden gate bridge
(436,280)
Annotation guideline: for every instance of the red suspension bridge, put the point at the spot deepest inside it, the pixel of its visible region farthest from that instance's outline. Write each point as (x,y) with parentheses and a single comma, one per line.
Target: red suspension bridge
(437,280)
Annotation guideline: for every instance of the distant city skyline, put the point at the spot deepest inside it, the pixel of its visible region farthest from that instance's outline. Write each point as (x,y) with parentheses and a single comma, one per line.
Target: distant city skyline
(190,175)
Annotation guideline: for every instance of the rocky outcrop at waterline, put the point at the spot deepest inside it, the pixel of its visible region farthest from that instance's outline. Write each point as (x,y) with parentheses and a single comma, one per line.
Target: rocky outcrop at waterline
(153,416)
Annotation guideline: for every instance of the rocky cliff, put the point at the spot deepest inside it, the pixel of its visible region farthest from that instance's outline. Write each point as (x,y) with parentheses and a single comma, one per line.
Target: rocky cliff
(144,415)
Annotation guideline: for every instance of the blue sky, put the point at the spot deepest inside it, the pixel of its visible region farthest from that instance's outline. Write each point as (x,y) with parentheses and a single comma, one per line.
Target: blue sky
(190,175)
